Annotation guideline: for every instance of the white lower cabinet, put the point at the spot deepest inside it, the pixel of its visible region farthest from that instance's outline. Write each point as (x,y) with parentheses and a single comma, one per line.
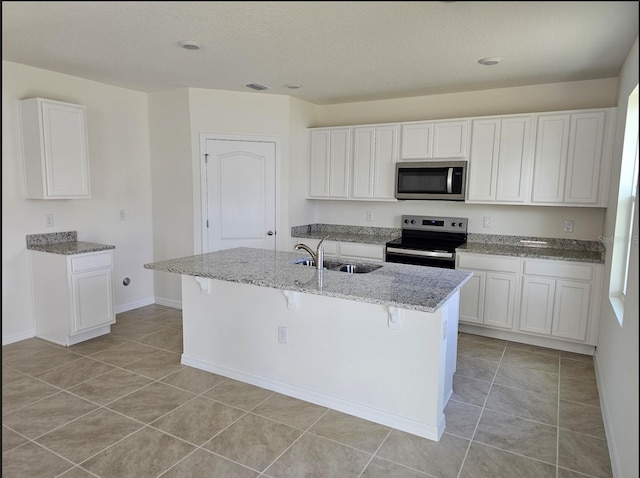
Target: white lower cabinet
(489,298)
(542,297)
(73,295)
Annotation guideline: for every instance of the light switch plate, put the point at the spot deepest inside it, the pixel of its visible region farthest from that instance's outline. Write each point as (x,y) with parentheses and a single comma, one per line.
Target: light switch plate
(568,226)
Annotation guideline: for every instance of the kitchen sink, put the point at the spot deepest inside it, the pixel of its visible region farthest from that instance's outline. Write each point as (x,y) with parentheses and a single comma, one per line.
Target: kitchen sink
(340,266)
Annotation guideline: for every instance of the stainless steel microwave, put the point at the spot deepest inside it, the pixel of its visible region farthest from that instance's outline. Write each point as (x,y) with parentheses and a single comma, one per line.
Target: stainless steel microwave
(439,180)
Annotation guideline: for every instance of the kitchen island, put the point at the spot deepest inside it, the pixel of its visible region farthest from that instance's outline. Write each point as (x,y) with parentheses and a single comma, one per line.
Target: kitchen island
(379,345)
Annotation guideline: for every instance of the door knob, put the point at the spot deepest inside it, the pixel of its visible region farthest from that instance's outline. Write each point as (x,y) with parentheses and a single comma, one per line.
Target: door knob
(270,233)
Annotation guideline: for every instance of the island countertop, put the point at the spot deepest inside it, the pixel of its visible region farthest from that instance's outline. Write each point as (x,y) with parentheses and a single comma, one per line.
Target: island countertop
(399,285)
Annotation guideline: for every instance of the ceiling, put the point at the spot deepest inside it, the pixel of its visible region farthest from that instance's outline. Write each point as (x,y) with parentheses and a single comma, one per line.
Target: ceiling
(336,51)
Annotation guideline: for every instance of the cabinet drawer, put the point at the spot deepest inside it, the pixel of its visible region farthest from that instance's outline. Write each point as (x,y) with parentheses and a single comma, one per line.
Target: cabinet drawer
(93,261)
(558,269)
(488,263)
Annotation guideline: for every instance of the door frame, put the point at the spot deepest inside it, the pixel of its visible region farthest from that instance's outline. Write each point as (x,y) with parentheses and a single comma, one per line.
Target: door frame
(201,231)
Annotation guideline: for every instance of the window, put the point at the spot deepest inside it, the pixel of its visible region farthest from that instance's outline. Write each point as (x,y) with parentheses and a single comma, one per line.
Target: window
(627,192)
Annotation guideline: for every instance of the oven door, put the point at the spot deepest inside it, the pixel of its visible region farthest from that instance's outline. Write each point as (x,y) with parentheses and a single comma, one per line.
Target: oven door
(420,257)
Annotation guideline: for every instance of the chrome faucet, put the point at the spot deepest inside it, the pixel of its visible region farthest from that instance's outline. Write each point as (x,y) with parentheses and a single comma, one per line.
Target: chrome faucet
(318,256)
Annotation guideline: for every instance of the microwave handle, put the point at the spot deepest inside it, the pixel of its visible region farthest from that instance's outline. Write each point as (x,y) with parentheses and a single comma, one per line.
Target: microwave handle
(450,181)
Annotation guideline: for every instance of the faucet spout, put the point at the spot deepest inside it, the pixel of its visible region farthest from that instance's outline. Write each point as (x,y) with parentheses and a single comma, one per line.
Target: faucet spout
(304,247)
(318,256)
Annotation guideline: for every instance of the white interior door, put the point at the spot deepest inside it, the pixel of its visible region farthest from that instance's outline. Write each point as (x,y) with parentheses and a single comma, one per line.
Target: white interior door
(241,194)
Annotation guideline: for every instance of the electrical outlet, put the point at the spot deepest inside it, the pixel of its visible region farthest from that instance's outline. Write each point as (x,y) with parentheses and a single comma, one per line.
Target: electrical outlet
(48,220)
(369,216)
(283,335)
(123,214)
(568,226)
(486,222)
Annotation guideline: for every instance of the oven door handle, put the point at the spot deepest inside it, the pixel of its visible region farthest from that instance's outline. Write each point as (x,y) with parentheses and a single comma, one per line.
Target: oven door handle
(412,252)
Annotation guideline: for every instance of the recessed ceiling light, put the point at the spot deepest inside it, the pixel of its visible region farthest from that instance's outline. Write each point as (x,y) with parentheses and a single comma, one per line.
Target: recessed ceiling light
(189,45)
(293,87)
(257,86)
(489,61)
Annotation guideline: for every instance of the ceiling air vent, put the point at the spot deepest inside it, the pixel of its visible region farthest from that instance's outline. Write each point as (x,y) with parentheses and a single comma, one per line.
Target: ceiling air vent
(257,86)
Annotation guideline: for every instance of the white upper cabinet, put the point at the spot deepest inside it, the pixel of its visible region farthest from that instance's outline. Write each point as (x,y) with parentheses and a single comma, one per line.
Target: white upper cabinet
(572,156)
(55,148)
(375,153)
(435,140)
(329,163)
(500,160)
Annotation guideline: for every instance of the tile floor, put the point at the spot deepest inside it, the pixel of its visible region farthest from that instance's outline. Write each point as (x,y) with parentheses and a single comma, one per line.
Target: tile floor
(122,405)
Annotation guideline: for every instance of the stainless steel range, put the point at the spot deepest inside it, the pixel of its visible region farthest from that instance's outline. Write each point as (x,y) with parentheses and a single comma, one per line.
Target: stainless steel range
(428,241)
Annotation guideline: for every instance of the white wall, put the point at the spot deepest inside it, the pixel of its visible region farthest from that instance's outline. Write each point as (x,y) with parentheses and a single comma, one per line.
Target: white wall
(118,129)
(510,220)
(617,352)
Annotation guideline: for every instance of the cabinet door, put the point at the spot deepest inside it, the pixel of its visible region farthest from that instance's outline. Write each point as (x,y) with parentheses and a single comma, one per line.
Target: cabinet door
(450,140)
(385,158)
(339,163)
(55,149)
(536,305)
(571,309)
(364,149)
(416,141)
(320,142)
(500,299)
(584,158)
(514,160)
(472,299)
(483,162)
(92,298)
(550,159)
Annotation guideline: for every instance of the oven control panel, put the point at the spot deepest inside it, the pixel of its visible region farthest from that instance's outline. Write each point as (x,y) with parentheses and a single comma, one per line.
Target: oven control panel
(433,223)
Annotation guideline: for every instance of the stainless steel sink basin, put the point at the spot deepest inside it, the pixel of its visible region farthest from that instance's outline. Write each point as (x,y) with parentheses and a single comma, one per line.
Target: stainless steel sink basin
(340,266)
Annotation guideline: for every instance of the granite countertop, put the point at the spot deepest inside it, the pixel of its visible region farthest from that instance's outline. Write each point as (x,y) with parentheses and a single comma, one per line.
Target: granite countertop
(65,243)
(340,233)
(535,248)
(405,286)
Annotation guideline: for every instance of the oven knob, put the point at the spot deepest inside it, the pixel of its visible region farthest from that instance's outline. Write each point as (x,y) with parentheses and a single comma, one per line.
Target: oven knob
(406,221)
(453,224)
(413,221)
(460,224)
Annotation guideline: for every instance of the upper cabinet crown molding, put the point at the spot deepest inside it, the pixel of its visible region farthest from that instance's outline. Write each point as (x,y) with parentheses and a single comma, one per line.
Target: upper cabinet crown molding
(55,149)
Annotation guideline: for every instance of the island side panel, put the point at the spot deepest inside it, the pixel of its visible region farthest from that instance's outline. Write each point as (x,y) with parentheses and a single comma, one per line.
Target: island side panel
(340,353)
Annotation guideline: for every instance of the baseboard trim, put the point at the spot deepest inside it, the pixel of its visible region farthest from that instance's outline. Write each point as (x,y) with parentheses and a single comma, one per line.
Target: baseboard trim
(176,304)
(608,430)
(10,339)
(320,398)
(134,305)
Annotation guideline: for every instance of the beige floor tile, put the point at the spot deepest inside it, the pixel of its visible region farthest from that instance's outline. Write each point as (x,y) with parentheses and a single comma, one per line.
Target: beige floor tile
(442,459)
(290,411)
(47,414)
(146,453)
(482,339)
(582,418)
(202,464)
(76,472)
(564,473)
(88,435)
(25,349)
(152,310)
(530,360)
(379,468)
(193,380)
(74,373)
(124,354)
(481,350)
(239,394)
(43,360)
(151,402)
(476,368)
(575,356)
(584,454)
(31,460)
(135,329)
(524,404)
(487,462)
(110,386)
(96,345)
(198,420)
(23,392)
(579,391)
(253,441)
(517,435)
(171,319)
(461,418)
(11,439)
(312,455)
(156,365)
(351,431)
(163,339)
(526,379)
(11,375)
(470,390)
(532,348)
(578,369)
